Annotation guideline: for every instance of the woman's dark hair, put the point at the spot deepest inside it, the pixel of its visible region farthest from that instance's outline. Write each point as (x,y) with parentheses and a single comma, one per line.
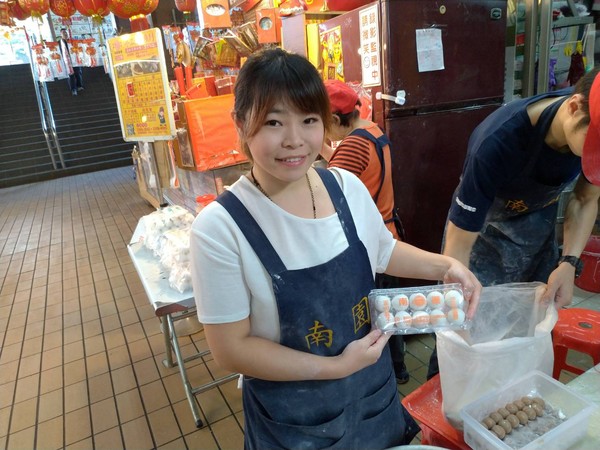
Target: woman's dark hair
(583,87)
(273,75)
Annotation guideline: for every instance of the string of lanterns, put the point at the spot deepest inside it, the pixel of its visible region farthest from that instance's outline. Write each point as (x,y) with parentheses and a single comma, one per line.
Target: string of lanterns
(134,10)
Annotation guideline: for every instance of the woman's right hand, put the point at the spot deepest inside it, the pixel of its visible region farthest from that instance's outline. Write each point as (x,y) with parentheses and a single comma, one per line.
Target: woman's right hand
(363,352)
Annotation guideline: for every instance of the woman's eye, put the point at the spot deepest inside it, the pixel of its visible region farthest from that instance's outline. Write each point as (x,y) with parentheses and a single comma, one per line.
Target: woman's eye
(272,123)
(311,120)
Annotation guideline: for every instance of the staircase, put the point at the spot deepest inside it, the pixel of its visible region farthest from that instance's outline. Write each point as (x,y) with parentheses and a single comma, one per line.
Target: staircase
(87,126)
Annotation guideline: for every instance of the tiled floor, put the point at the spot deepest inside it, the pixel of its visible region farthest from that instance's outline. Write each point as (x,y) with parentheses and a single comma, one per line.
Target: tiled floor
(80,347)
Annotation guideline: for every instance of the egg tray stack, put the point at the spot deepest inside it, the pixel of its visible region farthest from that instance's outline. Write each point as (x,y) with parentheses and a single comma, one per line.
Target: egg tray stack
(418,310)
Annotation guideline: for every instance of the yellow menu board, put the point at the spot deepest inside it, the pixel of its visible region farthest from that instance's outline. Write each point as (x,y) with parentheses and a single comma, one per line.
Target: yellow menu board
(141,86)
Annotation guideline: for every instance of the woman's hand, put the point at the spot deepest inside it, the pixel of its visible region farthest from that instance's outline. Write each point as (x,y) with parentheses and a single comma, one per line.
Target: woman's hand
(362,353)
(458,273)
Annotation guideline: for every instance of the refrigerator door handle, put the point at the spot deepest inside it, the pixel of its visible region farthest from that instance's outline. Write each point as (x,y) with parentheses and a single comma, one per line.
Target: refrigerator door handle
(399,99)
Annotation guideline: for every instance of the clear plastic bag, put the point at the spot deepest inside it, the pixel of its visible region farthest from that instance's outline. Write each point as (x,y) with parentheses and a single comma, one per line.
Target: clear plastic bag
(175,247)
(509,336)
(180,278)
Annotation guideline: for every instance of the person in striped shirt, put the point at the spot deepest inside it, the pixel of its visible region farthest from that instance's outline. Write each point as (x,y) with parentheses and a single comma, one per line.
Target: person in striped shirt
(364,150)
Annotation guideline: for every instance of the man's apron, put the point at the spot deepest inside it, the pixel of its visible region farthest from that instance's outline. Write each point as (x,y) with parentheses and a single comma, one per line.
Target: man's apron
(321,310)
(518,242)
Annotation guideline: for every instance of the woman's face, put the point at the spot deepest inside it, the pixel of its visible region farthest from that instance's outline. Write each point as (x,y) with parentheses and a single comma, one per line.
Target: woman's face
(286,144)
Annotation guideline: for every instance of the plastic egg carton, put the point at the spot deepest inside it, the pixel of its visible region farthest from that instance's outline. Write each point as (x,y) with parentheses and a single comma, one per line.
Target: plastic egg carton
(417,310)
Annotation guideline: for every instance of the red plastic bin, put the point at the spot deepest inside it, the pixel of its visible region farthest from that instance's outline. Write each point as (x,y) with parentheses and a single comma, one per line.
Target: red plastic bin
(425,405)
(589,280)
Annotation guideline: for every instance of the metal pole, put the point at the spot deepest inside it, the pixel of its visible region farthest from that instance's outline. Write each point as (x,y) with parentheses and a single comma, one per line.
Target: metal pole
(531,15)
(544,50)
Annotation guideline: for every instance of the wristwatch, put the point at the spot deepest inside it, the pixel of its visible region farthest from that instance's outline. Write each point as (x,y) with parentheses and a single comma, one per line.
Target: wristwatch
(574,261)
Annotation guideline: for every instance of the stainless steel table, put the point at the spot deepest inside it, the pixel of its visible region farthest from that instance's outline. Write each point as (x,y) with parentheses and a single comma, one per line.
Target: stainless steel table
(171,306)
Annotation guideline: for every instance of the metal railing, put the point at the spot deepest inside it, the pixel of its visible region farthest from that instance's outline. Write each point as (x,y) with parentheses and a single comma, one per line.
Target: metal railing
(46,117)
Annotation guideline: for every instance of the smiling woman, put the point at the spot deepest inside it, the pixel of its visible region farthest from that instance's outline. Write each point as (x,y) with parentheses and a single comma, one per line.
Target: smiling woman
(283,262)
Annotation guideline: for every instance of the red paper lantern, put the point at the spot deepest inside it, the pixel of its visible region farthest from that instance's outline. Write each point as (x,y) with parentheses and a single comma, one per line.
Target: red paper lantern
(185,6)
(96,9)
(62,8)
(346,5)
(134,10)
(36,8)
(17,12)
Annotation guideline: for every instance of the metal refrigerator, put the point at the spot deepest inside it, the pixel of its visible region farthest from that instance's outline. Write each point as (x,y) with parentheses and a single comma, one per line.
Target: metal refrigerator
(430,131)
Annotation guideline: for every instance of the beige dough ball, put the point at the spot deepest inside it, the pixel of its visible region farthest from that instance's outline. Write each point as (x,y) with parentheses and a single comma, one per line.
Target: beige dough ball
(503,412)
(496,416)
(511,408)
(506,425)
(519,404)
(539,410)
(498,431)
(488,422)
(531,414)
(527,401)
(514,420)
(523,417)
(540,401)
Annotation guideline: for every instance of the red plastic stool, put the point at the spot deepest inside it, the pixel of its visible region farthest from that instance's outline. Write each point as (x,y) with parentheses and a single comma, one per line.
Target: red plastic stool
(425,405)
(576,329)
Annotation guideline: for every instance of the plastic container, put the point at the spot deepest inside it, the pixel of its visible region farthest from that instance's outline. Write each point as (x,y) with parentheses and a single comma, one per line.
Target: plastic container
(575,409)
(589,280)
(418,310)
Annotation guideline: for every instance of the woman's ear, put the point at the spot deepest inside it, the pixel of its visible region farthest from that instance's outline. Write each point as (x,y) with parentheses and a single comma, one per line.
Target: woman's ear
(239,125)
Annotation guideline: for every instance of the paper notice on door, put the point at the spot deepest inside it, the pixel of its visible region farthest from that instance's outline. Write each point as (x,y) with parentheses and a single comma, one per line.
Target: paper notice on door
(430,50)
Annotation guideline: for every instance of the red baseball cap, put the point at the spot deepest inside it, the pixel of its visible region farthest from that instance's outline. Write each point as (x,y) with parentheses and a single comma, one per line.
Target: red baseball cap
(590,159)
(343,98)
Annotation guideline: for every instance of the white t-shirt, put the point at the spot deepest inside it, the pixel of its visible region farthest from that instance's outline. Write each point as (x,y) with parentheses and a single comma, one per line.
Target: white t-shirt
(229,281)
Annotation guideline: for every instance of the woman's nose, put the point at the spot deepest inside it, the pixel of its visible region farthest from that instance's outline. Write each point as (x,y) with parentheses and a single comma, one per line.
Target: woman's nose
(293,137)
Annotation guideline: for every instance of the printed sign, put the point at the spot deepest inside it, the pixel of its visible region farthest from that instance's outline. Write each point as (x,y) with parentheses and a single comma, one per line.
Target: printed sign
(370,47)
(430,50)
(141,86)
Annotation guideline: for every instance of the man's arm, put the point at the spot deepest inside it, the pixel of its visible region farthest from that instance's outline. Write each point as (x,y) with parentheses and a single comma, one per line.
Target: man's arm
(458,243)
(580,215)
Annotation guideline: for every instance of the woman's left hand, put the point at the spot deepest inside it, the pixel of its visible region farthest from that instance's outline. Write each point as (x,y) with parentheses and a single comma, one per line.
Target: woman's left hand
(458,273)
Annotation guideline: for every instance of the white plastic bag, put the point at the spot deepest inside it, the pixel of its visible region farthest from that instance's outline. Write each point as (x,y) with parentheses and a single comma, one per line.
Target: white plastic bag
(509,337)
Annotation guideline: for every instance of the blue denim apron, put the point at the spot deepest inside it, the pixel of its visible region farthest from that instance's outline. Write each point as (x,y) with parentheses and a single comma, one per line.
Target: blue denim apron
(321,310)
(518,242)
